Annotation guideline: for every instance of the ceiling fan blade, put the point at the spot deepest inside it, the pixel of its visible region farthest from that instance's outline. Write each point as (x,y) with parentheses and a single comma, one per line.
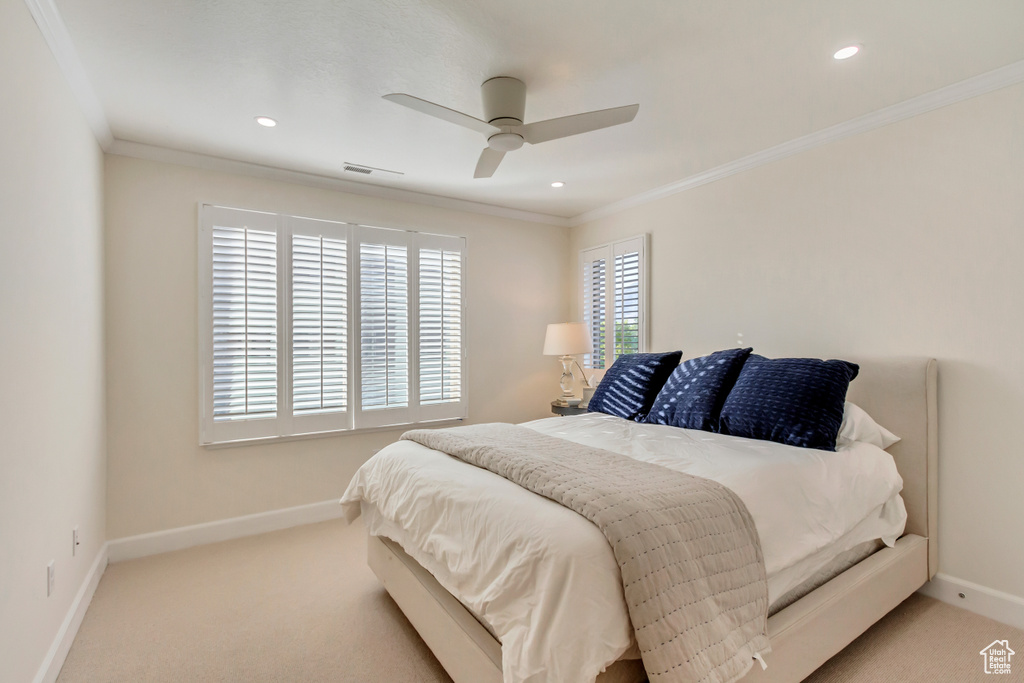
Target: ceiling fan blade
(563,127)
(443,113)
(488,163)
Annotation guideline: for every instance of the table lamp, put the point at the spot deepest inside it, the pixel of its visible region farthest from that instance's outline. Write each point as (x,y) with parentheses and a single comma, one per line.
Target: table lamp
(566,340)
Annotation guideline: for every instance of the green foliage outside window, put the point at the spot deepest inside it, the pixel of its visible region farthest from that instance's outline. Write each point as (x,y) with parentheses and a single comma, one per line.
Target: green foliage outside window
(627,337)
(627,340)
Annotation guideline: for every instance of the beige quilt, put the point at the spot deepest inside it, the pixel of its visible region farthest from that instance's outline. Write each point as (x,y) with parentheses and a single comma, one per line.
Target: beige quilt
(692,570)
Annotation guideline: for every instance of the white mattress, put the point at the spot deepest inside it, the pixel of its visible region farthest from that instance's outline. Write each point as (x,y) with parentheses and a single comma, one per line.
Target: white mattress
(544,578)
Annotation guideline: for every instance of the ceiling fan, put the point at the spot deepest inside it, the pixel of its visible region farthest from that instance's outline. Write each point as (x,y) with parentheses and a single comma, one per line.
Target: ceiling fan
(504,107)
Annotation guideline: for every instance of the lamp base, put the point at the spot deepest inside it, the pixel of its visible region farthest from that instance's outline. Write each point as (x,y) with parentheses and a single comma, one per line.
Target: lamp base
(566,381)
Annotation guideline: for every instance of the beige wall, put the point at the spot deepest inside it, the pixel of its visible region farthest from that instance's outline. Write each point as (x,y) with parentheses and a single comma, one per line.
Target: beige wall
(52,460)
(159,477)
(905,240)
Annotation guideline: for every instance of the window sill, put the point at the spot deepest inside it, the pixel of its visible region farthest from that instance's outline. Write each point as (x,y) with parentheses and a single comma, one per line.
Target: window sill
(236,443)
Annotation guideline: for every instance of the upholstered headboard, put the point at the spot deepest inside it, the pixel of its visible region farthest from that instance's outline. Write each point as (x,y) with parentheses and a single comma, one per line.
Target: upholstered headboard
(900,394)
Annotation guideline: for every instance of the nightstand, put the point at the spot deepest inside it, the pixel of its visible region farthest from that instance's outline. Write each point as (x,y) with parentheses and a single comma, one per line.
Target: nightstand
(566,410)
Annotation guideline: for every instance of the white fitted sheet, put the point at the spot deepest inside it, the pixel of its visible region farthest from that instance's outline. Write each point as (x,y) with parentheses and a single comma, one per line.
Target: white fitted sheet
(544,578)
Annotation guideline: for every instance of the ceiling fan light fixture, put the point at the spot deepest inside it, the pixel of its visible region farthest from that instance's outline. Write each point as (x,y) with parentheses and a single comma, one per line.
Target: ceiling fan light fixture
(846,52)
(505,142)
(266,121)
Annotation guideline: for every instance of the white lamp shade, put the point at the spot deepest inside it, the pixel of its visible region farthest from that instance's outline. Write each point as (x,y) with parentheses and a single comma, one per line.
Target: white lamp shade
(567,339)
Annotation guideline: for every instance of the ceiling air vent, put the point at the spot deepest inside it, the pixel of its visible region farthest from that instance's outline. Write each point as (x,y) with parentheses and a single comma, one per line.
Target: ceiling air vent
(349,167)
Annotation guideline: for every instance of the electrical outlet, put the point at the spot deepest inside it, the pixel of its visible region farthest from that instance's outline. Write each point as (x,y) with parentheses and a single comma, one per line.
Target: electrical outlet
(49,579)
(74,542)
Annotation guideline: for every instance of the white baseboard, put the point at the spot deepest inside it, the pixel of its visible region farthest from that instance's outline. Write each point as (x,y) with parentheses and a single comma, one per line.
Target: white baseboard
(1002,607)
(58,652)
(164,541)
(131,547)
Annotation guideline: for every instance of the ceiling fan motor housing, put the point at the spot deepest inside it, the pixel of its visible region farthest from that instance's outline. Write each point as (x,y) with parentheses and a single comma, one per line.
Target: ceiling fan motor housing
(504,101)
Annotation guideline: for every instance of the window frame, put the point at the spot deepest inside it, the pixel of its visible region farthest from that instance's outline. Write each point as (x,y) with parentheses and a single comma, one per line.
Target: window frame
(608,252)
(286,425)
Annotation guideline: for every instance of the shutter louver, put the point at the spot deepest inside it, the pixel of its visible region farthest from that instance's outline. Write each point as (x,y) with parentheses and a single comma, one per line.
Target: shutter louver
(627,303)
(244,324)
(440,326)
(594,293)
(319,325)
(384,326)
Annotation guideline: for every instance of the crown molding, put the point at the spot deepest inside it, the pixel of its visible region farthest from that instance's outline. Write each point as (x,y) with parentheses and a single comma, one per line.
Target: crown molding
(51,25)
(56,35)
(55,32)
(138,150)
(950,94)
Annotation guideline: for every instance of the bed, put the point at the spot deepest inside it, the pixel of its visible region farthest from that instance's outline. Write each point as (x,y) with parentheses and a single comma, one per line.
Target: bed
(899,393)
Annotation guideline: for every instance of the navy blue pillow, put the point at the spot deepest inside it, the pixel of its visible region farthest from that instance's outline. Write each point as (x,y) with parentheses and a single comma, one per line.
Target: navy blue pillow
(629,387)
(692,397)
(795,401)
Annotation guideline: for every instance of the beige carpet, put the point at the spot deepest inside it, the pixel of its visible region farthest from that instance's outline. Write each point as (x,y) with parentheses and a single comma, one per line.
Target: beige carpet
(286,607)
(300,605)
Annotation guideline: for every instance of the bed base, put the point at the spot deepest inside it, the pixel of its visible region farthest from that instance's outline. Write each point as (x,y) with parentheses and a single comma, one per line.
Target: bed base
(816,627)
(465,648)
(804,635)
(899,392)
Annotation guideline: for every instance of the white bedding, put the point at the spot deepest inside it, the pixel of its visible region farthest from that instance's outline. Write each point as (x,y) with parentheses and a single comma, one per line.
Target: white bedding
(539,574)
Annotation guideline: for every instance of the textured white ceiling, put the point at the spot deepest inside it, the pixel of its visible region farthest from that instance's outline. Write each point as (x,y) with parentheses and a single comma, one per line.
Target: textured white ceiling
(715,80)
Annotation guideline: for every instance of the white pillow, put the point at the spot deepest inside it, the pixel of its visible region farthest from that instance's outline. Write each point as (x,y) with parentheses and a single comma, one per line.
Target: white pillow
(858,426)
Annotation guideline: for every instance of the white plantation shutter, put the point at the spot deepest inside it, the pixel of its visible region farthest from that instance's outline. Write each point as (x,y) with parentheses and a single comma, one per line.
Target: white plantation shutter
(627,301)
(440,322)
(594,295)
(384,326)
(317,326)
(242,373)
(244,323)
(613,299)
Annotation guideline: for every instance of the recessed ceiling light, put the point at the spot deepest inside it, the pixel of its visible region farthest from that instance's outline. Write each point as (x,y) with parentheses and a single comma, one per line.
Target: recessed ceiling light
(266,121)
(557,183)
(847,52)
